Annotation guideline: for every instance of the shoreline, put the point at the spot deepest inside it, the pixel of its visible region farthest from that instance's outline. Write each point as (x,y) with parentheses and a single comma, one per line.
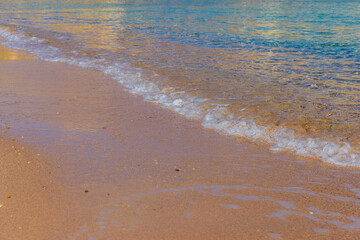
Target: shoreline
(303,137)
(151,173)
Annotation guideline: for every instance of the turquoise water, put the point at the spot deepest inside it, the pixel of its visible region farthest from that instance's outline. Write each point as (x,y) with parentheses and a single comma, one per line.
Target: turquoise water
(282,73)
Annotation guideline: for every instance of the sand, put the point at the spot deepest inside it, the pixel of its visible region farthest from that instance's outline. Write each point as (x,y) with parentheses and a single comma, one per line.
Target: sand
(81,158)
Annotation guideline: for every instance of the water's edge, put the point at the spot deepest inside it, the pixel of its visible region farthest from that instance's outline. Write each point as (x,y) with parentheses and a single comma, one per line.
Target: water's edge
(216,117)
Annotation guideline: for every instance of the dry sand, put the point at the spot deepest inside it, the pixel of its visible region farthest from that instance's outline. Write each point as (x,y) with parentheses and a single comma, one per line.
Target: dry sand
(83,159)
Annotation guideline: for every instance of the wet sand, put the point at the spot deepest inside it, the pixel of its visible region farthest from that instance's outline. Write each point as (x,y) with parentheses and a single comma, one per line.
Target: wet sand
(112,166)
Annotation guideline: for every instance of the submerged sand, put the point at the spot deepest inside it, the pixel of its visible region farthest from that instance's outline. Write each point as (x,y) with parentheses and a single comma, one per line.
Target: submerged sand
(81,158)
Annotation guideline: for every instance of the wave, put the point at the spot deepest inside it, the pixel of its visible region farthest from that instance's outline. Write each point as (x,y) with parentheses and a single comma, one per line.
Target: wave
(211,115)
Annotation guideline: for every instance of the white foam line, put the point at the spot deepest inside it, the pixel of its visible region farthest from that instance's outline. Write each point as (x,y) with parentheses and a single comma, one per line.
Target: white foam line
(215,117)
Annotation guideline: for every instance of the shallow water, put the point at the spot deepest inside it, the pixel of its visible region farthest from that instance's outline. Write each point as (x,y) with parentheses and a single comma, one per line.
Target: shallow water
(284,73)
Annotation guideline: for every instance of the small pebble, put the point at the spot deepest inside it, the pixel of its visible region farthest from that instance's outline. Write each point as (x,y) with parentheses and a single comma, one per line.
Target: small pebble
(177,169)
(86,191)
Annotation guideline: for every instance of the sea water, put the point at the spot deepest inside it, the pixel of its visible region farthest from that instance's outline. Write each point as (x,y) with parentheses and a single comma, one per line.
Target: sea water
(281,73)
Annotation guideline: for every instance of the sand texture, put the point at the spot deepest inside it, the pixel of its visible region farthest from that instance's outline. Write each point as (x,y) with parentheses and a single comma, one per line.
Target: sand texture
(81,158)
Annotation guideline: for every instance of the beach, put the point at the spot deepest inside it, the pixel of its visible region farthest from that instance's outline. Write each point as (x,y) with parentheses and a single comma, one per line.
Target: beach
(82,158)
